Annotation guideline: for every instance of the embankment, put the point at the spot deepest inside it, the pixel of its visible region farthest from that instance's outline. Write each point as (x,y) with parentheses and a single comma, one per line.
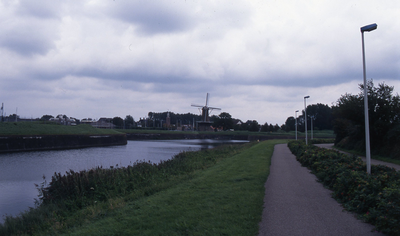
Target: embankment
(181,135)
(22,143)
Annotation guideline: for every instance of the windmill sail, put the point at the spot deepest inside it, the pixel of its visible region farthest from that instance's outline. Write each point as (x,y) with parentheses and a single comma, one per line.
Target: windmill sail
(205,110)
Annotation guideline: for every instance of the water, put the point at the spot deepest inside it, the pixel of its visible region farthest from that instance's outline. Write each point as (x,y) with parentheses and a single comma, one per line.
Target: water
(19,172)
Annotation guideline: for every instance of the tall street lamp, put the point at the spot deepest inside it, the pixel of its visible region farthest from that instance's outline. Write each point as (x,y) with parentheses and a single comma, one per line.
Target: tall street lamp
(363,29)
(312,118)
(295,114)
(305,115)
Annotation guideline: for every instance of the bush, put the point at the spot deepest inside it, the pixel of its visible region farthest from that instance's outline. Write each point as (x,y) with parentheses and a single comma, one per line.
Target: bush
(320,140)
(375,198)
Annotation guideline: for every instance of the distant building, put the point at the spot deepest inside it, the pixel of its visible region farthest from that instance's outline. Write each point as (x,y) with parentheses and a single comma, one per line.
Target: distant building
(63,120)
(87,121)
(204,126)
(104,123)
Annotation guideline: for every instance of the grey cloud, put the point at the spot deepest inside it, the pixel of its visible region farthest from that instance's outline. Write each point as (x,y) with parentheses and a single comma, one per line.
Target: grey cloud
(29,36)
(26,45)
(39,8)
(153,17)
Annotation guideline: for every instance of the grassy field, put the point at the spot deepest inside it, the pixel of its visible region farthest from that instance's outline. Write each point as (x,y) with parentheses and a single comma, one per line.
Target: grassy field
(316,133)
(221,194)
(49,128)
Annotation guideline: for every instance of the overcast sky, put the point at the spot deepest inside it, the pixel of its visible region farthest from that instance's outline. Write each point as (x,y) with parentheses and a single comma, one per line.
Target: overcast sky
(257,59)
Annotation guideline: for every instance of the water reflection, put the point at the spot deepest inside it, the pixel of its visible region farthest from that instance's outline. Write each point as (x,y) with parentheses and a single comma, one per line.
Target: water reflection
(20,171)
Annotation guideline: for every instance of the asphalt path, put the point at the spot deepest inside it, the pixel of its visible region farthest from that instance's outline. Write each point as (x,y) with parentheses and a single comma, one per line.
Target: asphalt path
(373,162)
(296,204)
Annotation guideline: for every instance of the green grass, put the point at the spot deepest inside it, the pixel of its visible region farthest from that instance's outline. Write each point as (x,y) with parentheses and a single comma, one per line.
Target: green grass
(49,128)
(316,133)
(225,199)
(376,157)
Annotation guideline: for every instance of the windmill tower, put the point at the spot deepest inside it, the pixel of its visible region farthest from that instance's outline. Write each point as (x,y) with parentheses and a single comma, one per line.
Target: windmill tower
(205,124)
(168,121)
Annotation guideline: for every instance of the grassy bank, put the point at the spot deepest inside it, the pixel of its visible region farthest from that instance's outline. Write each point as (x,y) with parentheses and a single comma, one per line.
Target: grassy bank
(211,192)
(316,133)
(49,128)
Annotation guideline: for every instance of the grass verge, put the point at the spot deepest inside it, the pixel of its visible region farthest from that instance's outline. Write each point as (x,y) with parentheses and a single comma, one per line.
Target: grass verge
(50,128)
(224,196)
(316,133)
(376,157)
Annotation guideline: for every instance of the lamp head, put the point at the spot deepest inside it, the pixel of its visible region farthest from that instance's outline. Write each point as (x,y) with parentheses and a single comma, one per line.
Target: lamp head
(368,28)
(306,97)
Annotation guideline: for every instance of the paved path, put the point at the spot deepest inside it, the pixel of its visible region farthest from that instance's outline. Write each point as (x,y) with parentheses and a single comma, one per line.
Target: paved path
(373,162)
(296,204)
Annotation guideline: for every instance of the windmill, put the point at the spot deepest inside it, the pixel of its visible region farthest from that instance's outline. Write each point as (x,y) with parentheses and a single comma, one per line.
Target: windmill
(204,124)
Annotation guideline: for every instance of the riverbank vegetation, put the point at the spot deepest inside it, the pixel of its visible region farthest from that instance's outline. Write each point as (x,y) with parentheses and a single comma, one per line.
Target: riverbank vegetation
(49,128)
(375,197)
(212,192)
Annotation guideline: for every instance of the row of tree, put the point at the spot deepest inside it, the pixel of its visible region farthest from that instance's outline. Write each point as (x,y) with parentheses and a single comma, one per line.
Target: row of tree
(384,120)
(319,116)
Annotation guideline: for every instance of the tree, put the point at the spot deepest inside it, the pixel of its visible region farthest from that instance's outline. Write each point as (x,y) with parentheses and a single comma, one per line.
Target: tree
(290,124)
(253,126)
(224,120)
(265,127)
(384,116)
(322,115)
(276,128)
(118,122)
(129,122)
(46,117)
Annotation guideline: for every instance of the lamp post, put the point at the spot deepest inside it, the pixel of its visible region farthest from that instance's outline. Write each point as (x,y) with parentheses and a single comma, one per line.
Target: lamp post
(305,115)
(363,29)
(295,114)
(312,118)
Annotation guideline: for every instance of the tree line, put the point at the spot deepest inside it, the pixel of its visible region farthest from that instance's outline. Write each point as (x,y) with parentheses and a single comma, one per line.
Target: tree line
(345,117)
(384,120)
